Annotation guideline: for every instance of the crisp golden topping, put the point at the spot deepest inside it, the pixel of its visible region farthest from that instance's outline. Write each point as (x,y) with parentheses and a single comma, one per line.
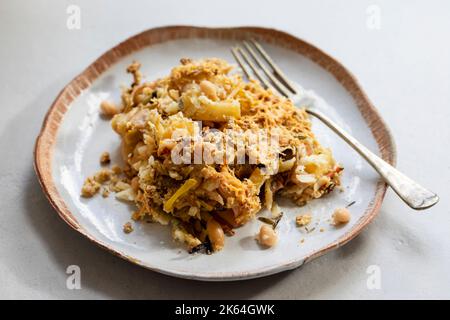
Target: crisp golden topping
(116,169)
(103,175)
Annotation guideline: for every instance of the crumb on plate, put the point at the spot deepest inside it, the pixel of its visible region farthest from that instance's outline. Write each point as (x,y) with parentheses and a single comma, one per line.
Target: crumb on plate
(127,227)
(303,220)
(90,187)
(105,158)
(105,192)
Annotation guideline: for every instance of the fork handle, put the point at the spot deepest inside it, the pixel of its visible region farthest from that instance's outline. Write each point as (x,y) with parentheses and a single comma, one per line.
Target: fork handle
(416,196)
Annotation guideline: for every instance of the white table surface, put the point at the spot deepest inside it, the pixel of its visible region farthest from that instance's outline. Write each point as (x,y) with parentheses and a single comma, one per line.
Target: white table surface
(404,67)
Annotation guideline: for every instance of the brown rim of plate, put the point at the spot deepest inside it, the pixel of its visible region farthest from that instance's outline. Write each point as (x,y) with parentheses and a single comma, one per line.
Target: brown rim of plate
(47,137)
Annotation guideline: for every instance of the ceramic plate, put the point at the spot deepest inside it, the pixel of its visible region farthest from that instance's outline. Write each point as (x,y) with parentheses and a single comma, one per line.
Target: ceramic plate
(74,135)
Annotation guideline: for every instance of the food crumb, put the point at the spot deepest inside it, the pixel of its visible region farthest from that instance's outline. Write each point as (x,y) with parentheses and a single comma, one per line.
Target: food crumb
(341,216)
(105,158)
(90,187)
(127,227)
(302,240)
(105,193)
(321,229)
(102,176)
(303,220)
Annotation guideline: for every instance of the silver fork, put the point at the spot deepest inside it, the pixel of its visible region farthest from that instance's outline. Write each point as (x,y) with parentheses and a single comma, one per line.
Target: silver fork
(416,196)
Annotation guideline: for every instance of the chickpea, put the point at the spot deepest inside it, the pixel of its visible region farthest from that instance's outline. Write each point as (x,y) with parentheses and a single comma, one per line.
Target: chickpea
(341,216)
(215,234)
(108,108)
(267,236)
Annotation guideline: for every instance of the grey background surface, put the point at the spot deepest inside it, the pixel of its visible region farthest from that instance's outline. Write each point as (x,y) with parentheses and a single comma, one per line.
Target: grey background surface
(404,67)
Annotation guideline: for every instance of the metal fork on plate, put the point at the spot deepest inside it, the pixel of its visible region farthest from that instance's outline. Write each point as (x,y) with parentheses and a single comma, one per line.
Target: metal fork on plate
(270,75)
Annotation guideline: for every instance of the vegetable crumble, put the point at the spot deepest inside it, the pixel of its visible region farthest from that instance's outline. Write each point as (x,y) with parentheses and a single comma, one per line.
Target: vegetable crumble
(179,170)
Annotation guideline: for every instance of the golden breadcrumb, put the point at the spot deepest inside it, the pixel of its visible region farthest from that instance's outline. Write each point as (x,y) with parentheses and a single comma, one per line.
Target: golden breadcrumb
(105,158)
(127,227)
(90,187)
(303,220)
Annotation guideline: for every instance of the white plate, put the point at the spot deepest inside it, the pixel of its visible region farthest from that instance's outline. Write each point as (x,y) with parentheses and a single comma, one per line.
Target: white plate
(74,135)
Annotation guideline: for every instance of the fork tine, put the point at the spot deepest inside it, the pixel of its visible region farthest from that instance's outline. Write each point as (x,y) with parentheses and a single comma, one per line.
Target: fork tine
(255,69)
(240,62)
(281,88)
(274,66)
